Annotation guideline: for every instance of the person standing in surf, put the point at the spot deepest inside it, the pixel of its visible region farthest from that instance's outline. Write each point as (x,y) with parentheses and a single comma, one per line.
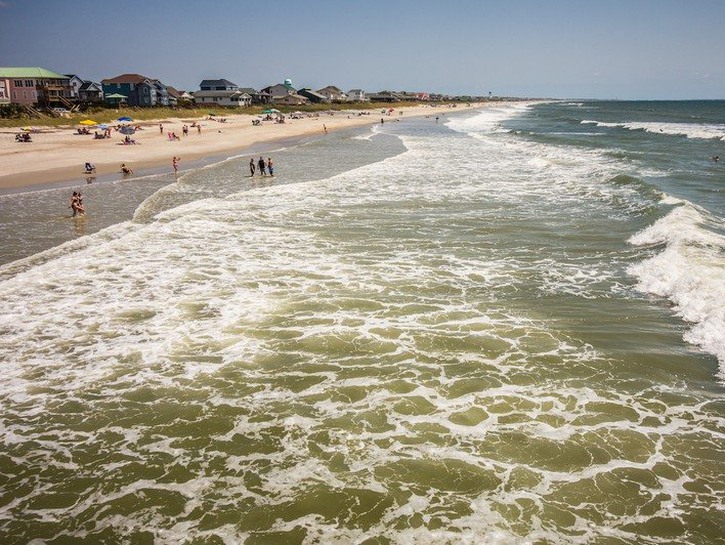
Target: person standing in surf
(262,167)
(252,167)
(76,204)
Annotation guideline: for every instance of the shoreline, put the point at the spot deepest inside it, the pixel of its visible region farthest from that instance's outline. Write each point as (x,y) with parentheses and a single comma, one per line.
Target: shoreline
(56,156)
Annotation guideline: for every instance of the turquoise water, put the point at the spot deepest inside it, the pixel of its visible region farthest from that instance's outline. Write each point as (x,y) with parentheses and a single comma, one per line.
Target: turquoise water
(504,327)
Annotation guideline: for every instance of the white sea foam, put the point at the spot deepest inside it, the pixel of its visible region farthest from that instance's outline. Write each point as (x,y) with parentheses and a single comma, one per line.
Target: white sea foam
(690,271)
(361,338)
(488,119)
(689,130)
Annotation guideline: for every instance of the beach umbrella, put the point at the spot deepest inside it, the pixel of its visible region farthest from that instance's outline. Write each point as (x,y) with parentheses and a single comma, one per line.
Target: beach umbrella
(270,111)
(88,122)
(103,126)
(127,130)
(124,118)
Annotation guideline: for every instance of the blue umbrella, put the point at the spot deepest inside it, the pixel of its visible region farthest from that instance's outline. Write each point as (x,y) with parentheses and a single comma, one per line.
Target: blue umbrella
(124,118)
(103,127)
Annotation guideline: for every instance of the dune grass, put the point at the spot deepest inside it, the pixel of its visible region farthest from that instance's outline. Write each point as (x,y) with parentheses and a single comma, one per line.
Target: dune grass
(142,115)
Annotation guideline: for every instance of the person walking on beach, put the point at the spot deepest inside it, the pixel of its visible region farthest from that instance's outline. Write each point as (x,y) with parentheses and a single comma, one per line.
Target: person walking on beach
(161,129)
(261,166)
(252,167)
(270,168)
(175,163)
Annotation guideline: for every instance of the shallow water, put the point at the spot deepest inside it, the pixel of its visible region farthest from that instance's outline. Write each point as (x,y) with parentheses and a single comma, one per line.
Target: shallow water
(502,328)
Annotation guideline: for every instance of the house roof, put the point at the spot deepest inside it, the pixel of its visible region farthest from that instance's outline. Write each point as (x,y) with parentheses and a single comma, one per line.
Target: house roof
(228,93)
(331,89)
(217,83)
(308,91)
(88,85)
(297,99)
(128,78)
(34,72)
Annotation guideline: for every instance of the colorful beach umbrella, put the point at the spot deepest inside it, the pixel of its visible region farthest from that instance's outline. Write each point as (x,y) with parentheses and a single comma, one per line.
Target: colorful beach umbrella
(88,122)
(125,118)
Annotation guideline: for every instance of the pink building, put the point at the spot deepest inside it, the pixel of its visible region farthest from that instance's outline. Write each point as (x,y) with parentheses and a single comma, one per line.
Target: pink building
(31,86)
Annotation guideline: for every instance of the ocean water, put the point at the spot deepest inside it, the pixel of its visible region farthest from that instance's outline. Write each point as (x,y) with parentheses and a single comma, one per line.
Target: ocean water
(506,326)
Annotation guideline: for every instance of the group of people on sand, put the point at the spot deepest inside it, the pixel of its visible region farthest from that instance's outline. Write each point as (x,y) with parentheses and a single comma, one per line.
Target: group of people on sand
(262,166)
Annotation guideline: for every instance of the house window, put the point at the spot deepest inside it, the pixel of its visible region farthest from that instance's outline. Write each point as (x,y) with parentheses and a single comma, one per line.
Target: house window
(29,83)
(18,83)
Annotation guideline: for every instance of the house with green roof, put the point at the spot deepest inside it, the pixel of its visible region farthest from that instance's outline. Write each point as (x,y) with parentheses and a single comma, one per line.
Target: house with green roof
(34,86)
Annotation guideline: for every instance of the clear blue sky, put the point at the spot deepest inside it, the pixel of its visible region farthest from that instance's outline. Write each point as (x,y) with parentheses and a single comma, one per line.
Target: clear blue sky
(628,49)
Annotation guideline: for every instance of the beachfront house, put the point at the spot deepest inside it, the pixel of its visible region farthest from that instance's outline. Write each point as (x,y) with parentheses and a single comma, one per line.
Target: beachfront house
(85,91)
(384,96)
(36,86)
(409,96)
(291,100)
(75,83)
(285,94)
(312,96)
(280,89)
(4,96)
(218,85)
(258,97)
(357,95)
(332,94)
(90,92)
(177,97)
(139,90)
(221,92)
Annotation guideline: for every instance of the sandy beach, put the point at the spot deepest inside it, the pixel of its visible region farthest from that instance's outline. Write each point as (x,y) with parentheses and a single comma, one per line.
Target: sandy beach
(58,154)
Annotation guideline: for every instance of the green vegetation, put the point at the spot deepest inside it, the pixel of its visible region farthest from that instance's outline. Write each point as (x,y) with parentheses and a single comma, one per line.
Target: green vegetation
(14,116)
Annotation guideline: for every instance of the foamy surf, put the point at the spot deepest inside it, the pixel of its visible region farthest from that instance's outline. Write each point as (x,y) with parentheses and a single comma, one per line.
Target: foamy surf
(688,130)
(432,335)
(690,271)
